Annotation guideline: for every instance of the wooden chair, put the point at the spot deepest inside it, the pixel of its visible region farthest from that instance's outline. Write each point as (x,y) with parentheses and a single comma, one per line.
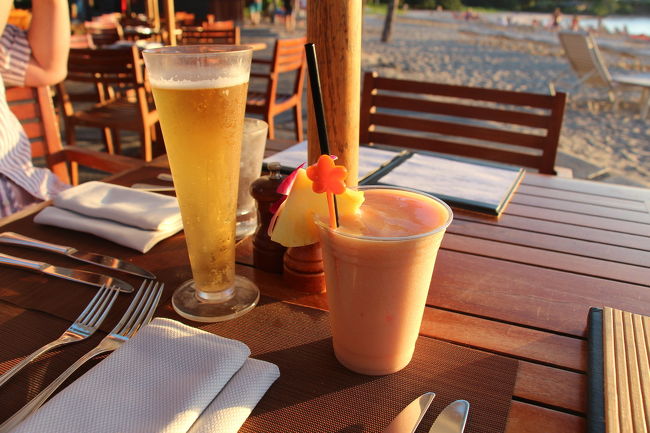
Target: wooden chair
(218,25)
(33,107)
(125,102)
(288,57)
(104,33)
(200,35)
(515,128)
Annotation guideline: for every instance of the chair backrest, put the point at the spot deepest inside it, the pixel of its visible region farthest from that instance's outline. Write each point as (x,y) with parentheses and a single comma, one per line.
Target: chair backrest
(200,35)
(184,18)
(104,33)
(82,40)
(585,58)
(509,127)
(33,108)
(218,25)
(108,67)
(288,56)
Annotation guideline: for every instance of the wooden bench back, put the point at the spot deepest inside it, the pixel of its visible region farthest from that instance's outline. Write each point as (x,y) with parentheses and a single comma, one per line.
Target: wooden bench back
(517,128)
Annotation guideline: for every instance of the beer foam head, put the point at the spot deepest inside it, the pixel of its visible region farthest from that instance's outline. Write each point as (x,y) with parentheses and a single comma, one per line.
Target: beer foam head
(199,66)
(216,83)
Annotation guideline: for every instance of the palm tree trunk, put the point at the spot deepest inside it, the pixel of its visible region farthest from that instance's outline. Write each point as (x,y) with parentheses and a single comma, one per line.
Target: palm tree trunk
(390,15)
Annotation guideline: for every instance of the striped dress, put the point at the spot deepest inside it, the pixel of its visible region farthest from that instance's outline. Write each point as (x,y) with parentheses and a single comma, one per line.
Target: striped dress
(20,182)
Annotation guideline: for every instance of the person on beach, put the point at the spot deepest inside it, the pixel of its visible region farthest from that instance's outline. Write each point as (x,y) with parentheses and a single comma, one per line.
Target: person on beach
(289,15)
(36,57)
(255,9)
(555,19)
(575,23)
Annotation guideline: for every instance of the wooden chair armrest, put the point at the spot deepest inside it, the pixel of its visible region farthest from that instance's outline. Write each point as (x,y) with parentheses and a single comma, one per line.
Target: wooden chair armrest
(263,61)
(99,160)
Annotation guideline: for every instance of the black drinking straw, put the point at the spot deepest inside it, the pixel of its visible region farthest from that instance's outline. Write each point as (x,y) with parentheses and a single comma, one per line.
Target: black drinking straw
(317,97)
(319,111)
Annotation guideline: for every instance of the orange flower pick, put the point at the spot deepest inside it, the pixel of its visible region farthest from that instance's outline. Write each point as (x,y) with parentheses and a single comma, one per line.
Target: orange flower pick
(328,178)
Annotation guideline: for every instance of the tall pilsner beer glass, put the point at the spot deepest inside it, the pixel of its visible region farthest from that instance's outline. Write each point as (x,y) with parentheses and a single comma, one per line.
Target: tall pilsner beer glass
(200,95)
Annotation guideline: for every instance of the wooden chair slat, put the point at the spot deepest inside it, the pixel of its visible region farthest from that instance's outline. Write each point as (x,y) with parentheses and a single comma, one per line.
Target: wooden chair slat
(455,148)
(466,111)
(476,93)
(458,130)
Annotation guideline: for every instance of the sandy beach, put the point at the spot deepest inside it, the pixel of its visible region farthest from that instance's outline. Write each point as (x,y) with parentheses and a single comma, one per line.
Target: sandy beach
(617,144)
(603,145)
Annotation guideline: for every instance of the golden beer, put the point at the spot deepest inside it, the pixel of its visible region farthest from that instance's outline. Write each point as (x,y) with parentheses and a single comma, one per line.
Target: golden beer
(200,93)
(203,130)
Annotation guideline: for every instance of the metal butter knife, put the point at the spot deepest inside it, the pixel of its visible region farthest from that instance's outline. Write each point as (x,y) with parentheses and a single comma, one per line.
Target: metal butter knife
(409,418)
(452,419)
(11,238)
(84,277)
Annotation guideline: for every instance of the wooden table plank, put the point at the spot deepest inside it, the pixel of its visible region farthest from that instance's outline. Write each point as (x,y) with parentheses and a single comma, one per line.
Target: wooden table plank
(522,343)
(548,242)
(528,295)
(594,221)
(580,197)
(640,216)
(552,183)
(528,418)
(551,387)
(561,229)
(548,259)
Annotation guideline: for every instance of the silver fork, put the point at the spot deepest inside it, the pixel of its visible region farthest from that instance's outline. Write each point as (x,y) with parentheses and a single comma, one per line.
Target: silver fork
(139,313)
(83,327)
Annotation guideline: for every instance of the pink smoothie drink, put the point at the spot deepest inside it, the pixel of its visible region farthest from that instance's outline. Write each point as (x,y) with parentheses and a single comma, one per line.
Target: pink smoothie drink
(378,268)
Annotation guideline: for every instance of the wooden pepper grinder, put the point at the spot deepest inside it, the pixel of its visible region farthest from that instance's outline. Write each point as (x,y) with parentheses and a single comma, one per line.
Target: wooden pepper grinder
(267,254)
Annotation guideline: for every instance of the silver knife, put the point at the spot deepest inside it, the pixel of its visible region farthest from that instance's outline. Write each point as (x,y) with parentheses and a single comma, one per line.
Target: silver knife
(84,277)
(452,419)
(11,238)
(409,418)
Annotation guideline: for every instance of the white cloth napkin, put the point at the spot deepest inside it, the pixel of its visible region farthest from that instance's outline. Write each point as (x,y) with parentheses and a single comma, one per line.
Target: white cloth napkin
(133,218)
(169,378)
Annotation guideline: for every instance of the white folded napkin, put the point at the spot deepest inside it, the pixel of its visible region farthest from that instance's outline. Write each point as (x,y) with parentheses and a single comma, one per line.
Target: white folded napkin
(162,381)
(133,218)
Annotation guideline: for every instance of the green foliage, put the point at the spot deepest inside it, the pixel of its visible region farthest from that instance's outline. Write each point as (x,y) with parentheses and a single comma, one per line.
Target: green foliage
(604,7)
(451,5)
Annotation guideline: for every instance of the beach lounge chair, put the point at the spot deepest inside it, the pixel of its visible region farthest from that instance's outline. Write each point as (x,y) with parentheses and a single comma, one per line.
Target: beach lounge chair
(516,128)
(589,66)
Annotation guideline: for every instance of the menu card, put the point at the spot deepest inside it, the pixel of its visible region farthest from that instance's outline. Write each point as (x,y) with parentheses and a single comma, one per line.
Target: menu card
(462,183)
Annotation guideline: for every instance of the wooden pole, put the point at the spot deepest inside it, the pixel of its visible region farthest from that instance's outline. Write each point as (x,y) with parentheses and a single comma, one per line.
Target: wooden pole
(171,21)
(335,27)
(388,22)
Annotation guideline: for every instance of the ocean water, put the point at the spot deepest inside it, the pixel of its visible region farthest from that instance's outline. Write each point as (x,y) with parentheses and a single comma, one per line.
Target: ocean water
(634,25)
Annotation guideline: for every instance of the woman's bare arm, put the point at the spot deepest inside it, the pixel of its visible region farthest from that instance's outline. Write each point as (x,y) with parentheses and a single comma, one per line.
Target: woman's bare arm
(49,39)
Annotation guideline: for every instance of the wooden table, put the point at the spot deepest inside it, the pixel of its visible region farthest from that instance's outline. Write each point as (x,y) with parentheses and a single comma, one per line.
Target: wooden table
(520,286)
